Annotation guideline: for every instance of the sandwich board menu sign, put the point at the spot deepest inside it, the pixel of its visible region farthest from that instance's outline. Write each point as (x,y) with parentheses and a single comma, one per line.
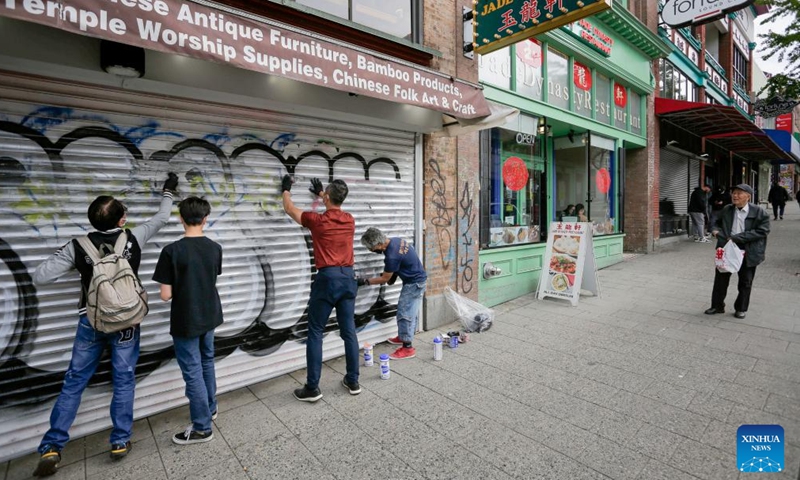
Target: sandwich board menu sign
(569,265)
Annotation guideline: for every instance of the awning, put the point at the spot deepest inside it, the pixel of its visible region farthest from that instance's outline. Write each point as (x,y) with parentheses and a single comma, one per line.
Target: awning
(787,142)
(236,38)
(500,115)
(723,126)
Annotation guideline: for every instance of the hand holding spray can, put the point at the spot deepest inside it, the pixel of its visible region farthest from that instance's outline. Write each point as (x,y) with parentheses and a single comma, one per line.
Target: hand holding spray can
(385,372)
(368,359)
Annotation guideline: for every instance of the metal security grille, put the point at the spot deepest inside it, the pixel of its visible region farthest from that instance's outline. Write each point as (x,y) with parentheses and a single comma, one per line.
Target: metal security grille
(694,174)
(61,145)
(674,180)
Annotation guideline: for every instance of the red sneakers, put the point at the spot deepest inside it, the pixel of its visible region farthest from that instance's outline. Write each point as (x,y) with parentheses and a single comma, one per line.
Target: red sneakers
(395,341)
(403,353)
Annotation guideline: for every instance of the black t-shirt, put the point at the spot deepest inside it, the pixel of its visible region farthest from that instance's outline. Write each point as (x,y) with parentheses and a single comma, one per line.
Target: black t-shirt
(191,265)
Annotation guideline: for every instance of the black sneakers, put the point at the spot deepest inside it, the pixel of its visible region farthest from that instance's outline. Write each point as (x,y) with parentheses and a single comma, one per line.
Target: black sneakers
(48,463)
(119,450)
(190,436)
(353,388)
(307,395)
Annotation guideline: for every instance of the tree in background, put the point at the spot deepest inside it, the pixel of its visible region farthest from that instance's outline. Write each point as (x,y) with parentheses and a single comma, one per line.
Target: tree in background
(785,46)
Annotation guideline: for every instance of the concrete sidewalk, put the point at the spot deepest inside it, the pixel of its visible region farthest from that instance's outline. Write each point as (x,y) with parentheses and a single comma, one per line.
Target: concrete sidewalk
(635,384)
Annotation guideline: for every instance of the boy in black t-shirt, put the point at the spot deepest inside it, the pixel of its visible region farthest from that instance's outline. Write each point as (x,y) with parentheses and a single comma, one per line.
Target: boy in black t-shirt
(187,271)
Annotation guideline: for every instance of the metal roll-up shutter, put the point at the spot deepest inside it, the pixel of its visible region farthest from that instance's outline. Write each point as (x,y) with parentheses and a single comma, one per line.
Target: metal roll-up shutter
(674,180)
(62,144)
(694,174)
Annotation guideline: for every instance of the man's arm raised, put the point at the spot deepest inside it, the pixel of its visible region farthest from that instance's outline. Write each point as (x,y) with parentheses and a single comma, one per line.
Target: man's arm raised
(288,206)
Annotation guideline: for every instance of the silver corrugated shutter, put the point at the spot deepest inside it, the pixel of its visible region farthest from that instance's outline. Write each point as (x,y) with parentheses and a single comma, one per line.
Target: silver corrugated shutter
(61,145)
(694,174)
(674,180)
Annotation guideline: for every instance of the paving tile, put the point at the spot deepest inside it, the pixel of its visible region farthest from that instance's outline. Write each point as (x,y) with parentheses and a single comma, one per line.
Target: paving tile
(704,461)
(236,398)
(98,442)
(780,405)
(750,397)
(284,457)
(655,470)
(670,394)
(229,469)
(741,415)
(613,460)
(654,442)
(145,467)
(102,462)
(785,372)
(720,435)
(249,423)
(615,426)
(768,383)
(180,460)
(711,405)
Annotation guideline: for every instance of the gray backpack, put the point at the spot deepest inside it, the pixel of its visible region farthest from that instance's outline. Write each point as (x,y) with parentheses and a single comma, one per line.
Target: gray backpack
(116,298)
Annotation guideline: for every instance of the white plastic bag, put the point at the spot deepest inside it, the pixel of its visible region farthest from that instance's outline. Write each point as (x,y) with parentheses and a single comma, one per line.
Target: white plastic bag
(729,258)
(473,316)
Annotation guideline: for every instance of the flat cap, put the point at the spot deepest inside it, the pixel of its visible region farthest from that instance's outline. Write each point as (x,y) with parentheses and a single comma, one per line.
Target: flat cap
(743,187)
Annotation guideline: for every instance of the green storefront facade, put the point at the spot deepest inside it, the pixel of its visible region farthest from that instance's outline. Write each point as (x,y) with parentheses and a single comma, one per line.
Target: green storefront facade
(582,91)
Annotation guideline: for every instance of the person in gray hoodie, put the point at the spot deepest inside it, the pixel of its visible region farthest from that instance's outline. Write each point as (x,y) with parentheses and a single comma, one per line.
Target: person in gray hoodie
(108,216)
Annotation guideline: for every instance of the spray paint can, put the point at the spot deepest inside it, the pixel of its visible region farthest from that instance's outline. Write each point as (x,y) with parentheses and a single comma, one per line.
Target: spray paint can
(454,341)
(385,372)
(437,348)
(368,359)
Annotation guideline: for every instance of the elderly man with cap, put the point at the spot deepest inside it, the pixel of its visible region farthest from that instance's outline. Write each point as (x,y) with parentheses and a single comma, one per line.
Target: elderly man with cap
(747,225)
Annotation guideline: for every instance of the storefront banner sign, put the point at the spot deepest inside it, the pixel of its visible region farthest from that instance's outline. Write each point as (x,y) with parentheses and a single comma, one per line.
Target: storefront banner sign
(194,30)
(515,174)
(784,122)
(582,76)
(772,107)
(591,36)
(681,13)
(569,263)
(498,23)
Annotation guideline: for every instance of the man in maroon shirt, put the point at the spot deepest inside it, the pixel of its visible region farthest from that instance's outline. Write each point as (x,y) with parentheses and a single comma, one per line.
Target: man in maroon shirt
(335,285)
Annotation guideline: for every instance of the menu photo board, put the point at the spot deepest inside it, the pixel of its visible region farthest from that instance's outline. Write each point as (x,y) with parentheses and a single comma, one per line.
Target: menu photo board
(569,263)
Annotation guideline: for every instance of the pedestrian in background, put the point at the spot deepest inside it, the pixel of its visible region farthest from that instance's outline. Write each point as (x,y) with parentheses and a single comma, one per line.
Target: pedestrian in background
(718,200)
(778,196)
(335,286)
(697,211)
(747,225)
(187,271)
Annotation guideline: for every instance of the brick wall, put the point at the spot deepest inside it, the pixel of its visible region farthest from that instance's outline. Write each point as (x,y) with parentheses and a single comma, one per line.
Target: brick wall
(450,177)
(641,165)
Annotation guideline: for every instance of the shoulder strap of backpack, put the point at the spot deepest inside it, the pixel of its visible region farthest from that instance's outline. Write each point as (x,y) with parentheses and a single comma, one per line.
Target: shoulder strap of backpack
(122,240)
(89,248)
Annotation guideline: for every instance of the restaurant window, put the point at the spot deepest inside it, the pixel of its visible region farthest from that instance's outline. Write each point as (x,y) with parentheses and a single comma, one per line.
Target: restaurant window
(582,89)
(602,92)
(394,17)
(585,168)
(740,67)
(672,83)
(529,69)
(513,199)
(636,113)
(557,79)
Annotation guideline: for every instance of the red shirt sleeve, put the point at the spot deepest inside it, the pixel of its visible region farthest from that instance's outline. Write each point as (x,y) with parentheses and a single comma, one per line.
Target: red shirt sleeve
(309,220)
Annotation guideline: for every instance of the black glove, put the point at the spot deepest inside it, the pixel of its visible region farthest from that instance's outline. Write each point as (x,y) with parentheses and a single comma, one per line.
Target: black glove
(172,183)
(393,279)
(286,184)
(316,187)
(360,281)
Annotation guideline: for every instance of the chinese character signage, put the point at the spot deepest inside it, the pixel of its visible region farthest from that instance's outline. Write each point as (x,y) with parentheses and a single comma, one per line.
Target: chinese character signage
(498,23)
(569,264)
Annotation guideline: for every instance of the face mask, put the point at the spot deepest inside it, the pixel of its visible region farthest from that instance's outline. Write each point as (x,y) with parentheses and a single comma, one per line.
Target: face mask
(379,252)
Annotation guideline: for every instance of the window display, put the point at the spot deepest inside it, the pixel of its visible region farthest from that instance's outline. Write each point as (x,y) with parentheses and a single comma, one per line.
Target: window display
(513,203)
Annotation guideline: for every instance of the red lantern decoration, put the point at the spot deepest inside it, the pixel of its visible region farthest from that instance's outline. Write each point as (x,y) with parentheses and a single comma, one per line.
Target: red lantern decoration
(603,181)
(515,173)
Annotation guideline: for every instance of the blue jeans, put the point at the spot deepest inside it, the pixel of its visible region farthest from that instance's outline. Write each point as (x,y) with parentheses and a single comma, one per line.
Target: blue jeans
(195,356)
(408,307)
(334,287)
(86,353)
